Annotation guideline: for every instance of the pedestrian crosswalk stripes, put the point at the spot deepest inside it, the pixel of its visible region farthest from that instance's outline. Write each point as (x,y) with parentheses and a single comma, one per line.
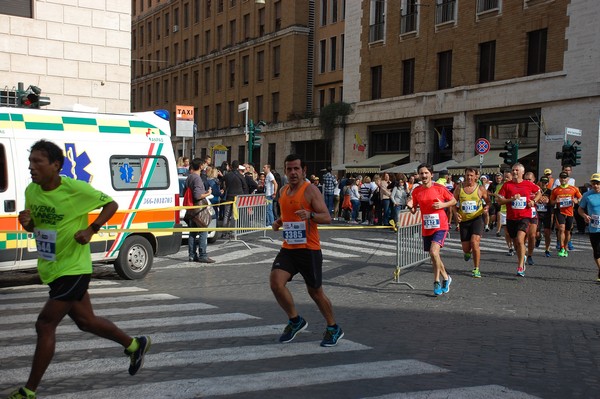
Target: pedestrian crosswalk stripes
(81,359)
(92,291)
(235,384)
(484,391)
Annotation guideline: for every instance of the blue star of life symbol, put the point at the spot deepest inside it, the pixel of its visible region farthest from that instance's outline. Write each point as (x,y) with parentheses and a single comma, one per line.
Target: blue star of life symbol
(126,173)
(75,164)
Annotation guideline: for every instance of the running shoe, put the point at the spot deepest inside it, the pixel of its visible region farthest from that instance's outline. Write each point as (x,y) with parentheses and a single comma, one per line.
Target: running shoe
(562,253)
(497,234)
(511,252)
(566,253)
(446,285)
(537,242)
(437,288)
(558,246)
(137,357)
(21,394)
(487,228)
(547,254)
(476,273)
(530,260)
(467,256)
(292,329)
(570,246)
(332,335)
(521,271)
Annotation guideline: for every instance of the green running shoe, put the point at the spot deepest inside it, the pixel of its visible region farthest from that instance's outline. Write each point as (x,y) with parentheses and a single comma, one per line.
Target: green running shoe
(476,273)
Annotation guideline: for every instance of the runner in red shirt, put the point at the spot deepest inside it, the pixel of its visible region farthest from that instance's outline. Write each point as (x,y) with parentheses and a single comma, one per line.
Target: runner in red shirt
(433,198)
(519,196)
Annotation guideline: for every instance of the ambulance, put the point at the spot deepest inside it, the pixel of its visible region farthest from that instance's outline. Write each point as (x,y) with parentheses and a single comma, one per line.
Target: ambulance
(127,156)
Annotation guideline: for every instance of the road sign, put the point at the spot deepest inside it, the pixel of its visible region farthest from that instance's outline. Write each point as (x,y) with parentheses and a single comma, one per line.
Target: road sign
(482,146)
(569,131)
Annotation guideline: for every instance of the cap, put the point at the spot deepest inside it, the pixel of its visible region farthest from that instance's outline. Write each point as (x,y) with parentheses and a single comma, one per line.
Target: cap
(595,177)
(241,167)
(484,177)
(544,179)
(563,175)
(547,171)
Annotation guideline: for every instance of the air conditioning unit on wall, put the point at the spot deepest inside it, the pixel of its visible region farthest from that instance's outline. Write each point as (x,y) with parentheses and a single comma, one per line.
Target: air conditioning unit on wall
(175,28)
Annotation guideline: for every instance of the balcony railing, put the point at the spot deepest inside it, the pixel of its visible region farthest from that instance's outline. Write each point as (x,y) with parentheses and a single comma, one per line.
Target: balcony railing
(487,5)
(376,32)
(408,23)
(445,11)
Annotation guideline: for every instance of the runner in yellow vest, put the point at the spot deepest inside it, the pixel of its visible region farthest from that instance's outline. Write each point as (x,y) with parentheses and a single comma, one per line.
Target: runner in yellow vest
(469,214)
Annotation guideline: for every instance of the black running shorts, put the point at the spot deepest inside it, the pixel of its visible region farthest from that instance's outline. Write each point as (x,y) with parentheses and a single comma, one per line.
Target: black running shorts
(69,288)
(307,262)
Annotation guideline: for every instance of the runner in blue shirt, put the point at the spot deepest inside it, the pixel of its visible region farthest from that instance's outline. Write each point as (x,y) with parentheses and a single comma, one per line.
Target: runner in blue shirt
(589,210)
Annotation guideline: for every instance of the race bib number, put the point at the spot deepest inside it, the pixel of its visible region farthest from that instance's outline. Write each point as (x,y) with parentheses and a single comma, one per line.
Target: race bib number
(468,206)
(565,202)
(520,203)
(431,221)
(294,233)
(542,207)
(45,241)
(533,213)
(595,222)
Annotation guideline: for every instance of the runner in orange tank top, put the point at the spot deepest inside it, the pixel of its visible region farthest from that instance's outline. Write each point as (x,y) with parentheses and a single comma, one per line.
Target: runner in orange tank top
(302,209)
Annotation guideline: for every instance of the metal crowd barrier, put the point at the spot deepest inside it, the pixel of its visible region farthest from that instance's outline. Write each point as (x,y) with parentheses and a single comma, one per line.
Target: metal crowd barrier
(250,217)
(409,244)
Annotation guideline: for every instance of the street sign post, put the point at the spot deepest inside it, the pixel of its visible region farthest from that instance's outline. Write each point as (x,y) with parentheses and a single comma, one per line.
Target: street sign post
(482,147)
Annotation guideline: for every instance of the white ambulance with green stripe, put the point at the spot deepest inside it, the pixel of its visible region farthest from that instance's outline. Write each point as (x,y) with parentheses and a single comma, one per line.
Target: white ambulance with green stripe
(127,156)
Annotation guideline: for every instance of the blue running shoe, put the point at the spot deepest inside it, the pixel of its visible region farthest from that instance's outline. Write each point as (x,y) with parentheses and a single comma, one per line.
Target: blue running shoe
(437,288)
(530,261)
(446,285)
(548,254)
(137,357)
(292,329)
(570,246)
(558,246)
(332,335)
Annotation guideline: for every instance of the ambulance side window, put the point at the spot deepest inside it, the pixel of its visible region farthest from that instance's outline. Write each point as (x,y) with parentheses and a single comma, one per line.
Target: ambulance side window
(126,172)
(3,169)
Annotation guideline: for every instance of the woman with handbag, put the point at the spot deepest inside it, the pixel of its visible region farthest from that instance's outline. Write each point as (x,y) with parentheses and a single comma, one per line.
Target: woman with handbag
(197,240)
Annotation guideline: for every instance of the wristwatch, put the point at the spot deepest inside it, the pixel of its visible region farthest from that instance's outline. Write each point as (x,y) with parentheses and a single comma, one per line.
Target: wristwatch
(312,215)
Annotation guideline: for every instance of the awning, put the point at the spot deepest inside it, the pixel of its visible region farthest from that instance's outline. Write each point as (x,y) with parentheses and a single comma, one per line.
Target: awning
(376,163)
(492,161)
(406,168)
(444,165)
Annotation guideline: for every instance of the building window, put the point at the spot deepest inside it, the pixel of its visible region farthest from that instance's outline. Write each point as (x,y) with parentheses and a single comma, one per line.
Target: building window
(536,51)
(245,69)
(167,24)
(196,83)
(259,108)
(271,154)
(149,96)
(232,32)
(322,55)
(487,5)
(186,50)
(332,53)
(207,4)
(334,11)
(231,73)
(176,53)
(231,112)
(186,15)
(487,61)
(219,77)
(331,95)
(445,11)
(196,46)
(445,70)
(408,76)
(275,107)
(206,117)
(343,45)
(158,60)
(220,5)
(175,18)
(261,22)
(219,37)
(246,26)
(218,115)
(206,80)
(157,28)
(390,141)
(133,39)
(175,88)
(276,61)
(324,4)
(321,99)
(277,15)
(376,79)
(149,25)
(409,17)
(196,11)
(141,36)
(23,8)
(141,99)
(377,21)
(186,86)
(260,66)
(207,47)
(166,90)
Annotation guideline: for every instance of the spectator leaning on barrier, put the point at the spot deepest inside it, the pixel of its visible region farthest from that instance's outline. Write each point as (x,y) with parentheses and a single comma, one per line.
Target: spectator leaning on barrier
(589,210)
(433,199)
(302,210)
(234,184)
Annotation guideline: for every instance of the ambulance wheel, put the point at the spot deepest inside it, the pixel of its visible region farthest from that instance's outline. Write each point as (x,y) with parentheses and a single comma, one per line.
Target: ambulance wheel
(135,258)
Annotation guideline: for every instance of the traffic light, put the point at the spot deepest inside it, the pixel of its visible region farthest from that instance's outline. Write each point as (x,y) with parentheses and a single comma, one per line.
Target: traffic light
(570,154)
(511,156)
(31,98)
(575,153)
(256,137)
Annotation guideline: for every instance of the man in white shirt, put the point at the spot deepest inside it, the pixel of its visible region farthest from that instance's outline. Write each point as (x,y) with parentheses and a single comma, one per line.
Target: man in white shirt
(270,191)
